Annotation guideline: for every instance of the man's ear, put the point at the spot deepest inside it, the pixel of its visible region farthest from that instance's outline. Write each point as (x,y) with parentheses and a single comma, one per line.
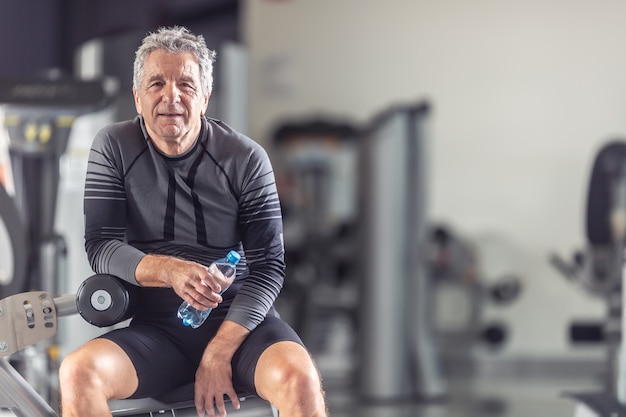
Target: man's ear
(137,102)
(207,97)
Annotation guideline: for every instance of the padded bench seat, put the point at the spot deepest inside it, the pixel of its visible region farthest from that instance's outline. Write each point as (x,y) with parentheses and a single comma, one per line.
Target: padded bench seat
(179,403)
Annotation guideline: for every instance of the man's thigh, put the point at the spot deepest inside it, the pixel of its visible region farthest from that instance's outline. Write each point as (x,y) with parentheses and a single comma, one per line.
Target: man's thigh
(159,362)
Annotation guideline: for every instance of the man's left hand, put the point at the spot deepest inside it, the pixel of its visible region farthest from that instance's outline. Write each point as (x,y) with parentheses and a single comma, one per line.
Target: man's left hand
(214,377)
(213,383)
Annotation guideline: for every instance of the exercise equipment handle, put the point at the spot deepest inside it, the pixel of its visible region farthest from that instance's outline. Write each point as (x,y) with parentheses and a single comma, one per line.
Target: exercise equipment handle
(66,305)
(30,317)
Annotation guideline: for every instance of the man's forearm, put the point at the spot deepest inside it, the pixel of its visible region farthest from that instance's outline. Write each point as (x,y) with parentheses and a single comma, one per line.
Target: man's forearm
(157,270)
(227,340)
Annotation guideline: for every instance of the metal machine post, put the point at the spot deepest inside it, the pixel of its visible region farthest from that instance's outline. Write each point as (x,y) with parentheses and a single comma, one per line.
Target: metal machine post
(18,396)
(618,228)
(397,348)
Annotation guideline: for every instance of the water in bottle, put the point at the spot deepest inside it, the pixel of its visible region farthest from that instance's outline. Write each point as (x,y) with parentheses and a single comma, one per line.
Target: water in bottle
(194,317)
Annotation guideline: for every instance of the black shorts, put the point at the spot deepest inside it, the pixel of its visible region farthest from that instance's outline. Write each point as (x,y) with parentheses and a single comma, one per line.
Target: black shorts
(166,353)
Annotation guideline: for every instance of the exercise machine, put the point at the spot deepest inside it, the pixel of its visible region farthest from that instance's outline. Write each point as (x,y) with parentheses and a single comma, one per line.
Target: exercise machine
(13,243)
(315,175)
(38,116)
(385,291)
(458,279)
(103,300)
(600,269)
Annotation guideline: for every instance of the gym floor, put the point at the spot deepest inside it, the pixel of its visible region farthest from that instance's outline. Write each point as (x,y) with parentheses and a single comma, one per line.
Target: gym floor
(502,395)
(495,387)
(492,397)
(530,394)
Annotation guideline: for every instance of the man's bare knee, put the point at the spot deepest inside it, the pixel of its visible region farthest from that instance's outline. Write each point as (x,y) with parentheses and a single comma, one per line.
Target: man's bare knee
(77,369)
(287,377)
(300,380)
(99,366)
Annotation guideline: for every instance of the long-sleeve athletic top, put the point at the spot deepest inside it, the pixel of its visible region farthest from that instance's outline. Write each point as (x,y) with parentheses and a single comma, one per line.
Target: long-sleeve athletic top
(219,195)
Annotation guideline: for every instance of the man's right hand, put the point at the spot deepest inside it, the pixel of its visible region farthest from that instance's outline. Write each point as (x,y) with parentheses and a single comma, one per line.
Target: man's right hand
(190,280)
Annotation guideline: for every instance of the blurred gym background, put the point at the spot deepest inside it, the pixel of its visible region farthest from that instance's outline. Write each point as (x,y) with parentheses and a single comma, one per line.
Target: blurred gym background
(514,100)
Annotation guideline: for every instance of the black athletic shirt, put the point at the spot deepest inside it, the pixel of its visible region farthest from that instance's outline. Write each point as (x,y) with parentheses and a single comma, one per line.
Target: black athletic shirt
(219,195)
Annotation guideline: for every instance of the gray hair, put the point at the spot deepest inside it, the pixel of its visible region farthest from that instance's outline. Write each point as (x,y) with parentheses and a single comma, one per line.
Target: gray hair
(176,39)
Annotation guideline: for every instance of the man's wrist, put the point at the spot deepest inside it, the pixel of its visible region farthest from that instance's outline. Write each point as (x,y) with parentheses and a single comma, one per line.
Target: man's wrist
(227,339)
(149,271)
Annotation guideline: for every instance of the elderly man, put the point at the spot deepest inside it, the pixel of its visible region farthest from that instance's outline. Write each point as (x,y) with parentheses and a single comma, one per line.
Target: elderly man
(166,194)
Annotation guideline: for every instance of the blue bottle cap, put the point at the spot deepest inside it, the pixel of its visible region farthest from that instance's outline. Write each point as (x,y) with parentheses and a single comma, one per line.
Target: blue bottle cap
(233,257)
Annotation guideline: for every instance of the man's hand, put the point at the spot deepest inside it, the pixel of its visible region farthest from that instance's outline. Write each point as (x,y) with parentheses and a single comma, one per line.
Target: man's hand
(190,280)
(213,382)
(214,375)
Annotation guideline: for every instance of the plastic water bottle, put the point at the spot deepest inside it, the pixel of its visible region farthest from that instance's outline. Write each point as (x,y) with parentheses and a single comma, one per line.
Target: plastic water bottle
(228,267)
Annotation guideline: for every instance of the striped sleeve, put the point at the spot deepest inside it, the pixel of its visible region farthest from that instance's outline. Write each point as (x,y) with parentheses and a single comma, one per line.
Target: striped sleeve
(105,213)
(260,222)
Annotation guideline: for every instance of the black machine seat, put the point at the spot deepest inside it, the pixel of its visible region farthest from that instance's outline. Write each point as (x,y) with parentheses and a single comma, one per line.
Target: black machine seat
(180,403)
(607,169)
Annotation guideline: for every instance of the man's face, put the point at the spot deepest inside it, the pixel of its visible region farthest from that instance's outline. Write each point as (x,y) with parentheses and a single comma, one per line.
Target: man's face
(171,100)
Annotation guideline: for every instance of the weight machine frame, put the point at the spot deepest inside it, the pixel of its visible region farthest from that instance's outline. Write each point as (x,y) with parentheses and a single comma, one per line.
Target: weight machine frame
(32,317)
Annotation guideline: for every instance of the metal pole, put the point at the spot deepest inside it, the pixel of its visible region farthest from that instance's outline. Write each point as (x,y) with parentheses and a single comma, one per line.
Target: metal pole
(618,227)
(18,396)
(66,305)
(397,349)
(420,307)
(385,371)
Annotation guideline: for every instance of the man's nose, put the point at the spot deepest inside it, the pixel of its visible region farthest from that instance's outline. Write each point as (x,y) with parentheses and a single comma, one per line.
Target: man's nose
(171,94)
